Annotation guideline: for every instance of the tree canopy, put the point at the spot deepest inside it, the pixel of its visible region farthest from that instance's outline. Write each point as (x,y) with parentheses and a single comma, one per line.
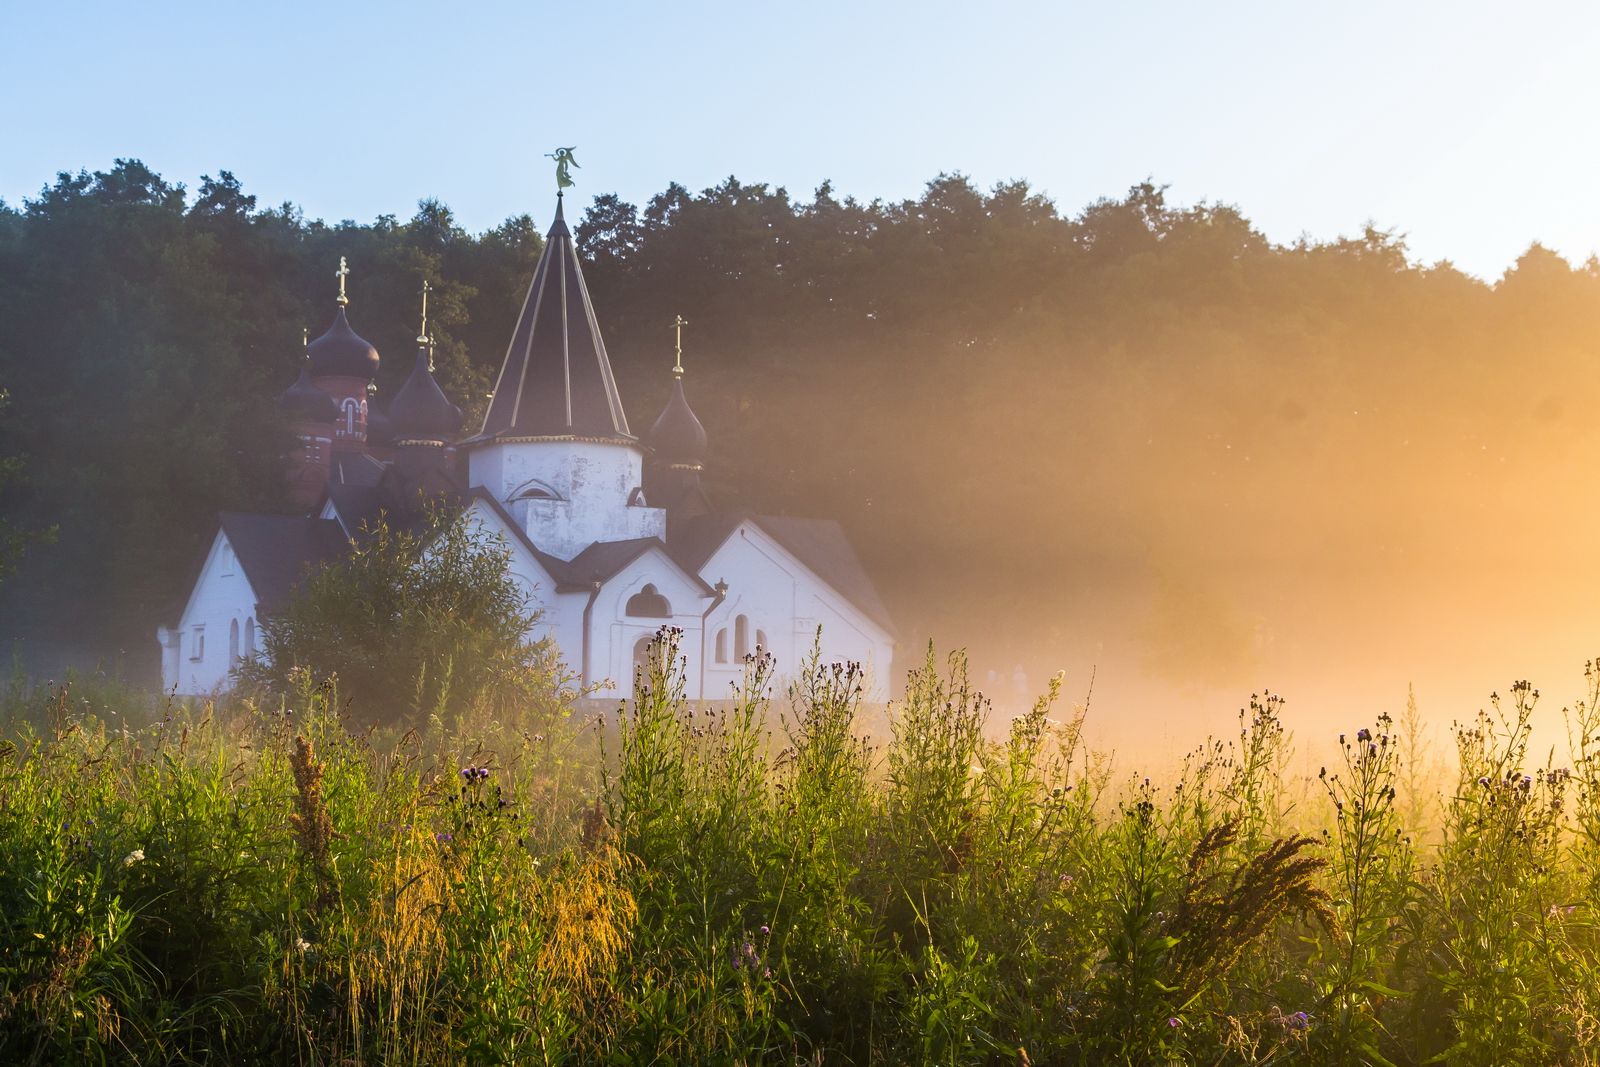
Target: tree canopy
(982,387)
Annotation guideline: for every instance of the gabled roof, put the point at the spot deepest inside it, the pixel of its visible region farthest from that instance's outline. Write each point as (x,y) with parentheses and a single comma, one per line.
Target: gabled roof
(556,380)
(604,560)
(354,468)
(276,551)
(820,544)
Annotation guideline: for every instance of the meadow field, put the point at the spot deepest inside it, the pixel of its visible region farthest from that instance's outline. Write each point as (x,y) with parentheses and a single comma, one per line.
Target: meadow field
(756,881)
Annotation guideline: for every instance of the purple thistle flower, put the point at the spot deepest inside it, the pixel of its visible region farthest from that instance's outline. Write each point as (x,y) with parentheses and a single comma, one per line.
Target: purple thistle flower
(765,931)
(1174,1022)
(1363,734)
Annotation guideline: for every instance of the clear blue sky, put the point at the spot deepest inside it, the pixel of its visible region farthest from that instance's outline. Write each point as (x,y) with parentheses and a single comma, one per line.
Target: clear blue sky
(1469,126)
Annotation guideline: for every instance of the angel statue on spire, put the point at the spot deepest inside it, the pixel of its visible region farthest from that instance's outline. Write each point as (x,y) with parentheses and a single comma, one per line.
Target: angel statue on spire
(564,160)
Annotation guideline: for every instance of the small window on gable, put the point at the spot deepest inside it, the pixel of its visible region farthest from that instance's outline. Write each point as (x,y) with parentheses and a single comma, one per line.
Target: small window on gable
(741,637)
(227,558)
(636,498)
(197,643)
(722,645)
(648,603)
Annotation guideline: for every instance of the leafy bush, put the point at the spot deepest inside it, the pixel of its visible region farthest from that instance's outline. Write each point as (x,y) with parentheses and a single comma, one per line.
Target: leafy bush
(418,621)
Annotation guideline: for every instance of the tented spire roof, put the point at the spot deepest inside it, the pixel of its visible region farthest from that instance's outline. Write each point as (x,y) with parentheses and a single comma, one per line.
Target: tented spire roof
(556,380)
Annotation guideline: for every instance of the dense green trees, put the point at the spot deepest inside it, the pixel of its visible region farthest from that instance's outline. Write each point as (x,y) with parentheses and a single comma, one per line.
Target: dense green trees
(981,387)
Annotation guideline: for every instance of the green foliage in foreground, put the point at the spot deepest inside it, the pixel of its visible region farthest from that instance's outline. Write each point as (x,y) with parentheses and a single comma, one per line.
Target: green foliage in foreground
(756,882)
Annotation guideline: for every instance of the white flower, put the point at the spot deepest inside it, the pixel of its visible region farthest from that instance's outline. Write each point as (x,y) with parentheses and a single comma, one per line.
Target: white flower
(133,857)
(301,945)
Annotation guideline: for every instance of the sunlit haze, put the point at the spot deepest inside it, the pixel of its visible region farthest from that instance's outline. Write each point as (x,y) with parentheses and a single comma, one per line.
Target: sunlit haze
(1186,479)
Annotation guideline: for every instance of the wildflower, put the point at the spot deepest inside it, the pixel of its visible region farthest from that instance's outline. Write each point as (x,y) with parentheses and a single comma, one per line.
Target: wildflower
(1174,1022)
(1299,1021)
(133,857)
(765,930)
(1483,780)
(444,838)
(302,946)
(1363,734)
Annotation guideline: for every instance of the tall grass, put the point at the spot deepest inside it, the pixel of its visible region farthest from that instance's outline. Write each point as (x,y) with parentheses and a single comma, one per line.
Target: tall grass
(754,880)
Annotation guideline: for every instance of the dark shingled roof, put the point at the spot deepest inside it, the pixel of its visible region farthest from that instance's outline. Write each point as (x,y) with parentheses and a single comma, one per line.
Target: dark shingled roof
(556,380)
(276,551)
(354,468)
(820,544)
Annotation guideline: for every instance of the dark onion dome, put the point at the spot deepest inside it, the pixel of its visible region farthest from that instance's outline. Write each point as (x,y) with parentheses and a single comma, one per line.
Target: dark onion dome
(342,353)
(303,400)
(677,436)
(420,411)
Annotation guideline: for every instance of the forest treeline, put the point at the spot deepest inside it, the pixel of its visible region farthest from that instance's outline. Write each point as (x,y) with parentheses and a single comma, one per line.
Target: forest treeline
(983,387)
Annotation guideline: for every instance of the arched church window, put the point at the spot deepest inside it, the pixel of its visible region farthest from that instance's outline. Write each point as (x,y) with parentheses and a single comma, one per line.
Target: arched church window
(761,641)
(233,642)
(250,636)
(641,657)
(648,603)
(197,646)
(350,409)
(536,491)
(741,637)
(722,645)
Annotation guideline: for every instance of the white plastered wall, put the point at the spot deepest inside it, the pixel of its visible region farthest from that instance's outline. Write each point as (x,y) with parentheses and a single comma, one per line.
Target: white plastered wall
(780,596)
(591,483)
(614,634)
(222,596)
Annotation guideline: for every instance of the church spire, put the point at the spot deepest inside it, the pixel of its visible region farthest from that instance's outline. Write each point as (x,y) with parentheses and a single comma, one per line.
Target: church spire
(556,380)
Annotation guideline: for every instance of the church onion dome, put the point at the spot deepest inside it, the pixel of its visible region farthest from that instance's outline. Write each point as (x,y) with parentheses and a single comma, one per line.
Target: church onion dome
(677,437)
(342,353)
(556,380)
(303,400)
(420,411)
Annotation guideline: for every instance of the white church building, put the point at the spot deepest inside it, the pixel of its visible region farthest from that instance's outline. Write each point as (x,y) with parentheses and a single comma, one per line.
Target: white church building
(611,535)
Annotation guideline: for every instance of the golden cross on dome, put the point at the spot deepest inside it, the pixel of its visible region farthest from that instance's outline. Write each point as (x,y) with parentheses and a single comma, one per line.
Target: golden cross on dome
(342,273)
(422,334)
(678,323)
